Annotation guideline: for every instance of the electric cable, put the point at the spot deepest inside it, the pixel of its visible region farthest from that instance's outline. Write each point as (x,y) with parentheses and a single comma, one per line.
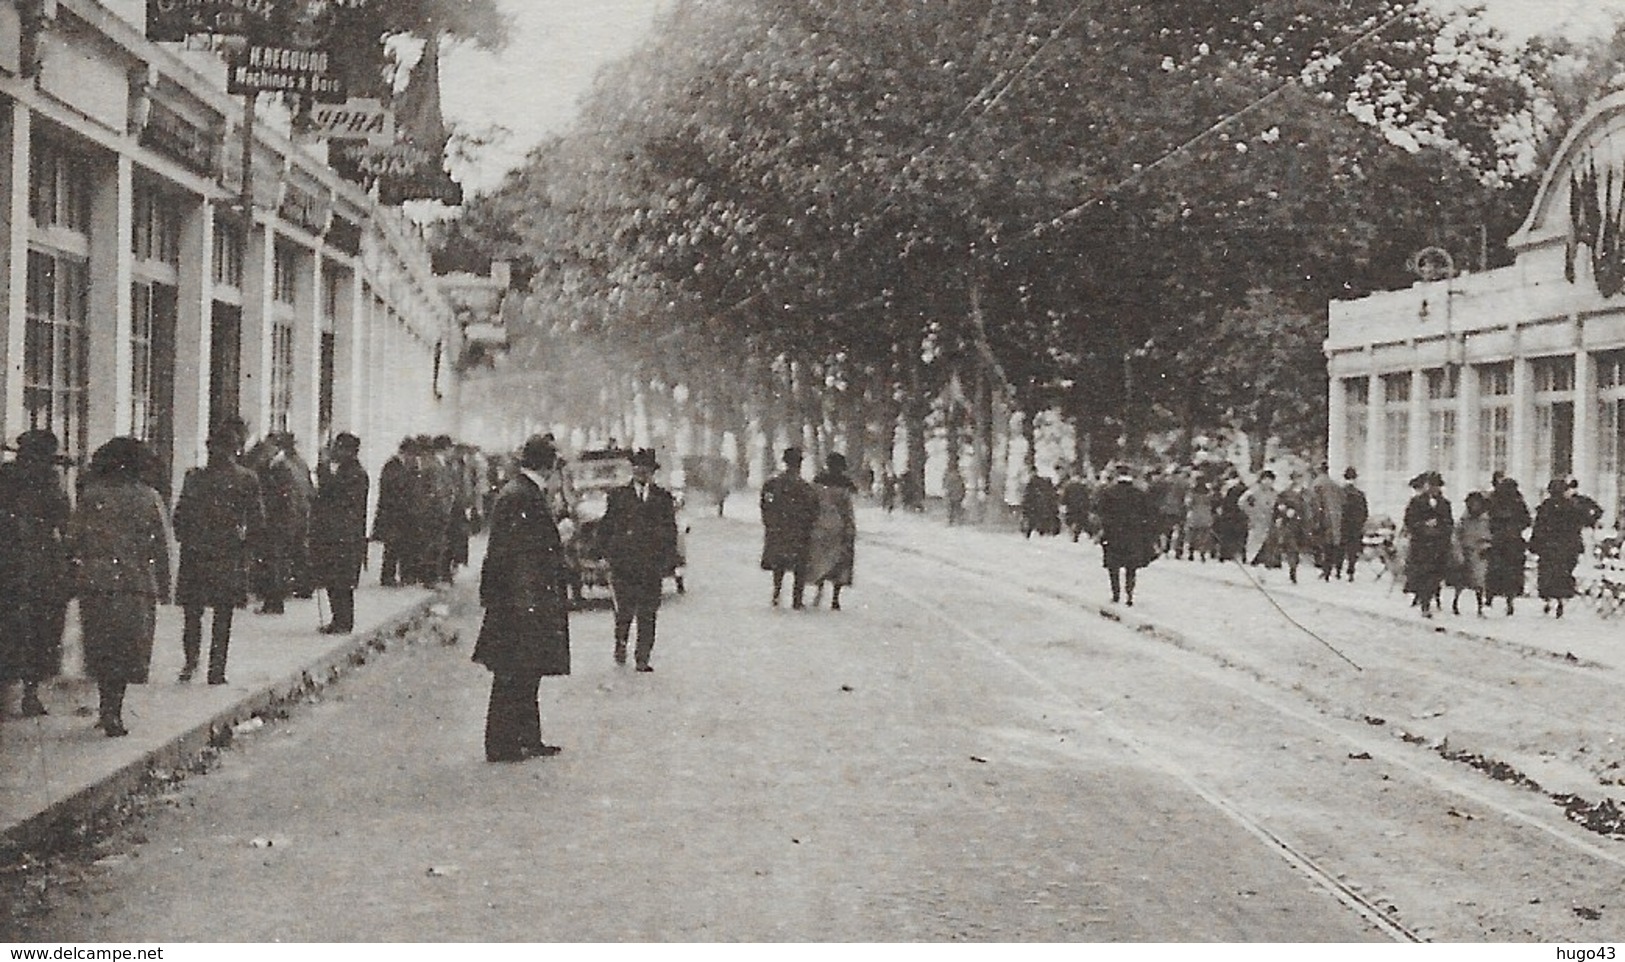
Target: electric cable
(1284,614)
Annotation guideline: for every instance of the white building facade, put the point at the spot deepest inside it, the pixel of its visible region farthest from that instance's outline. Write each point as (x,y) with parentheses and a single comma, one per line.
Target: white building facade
(1519,370)
(142,299)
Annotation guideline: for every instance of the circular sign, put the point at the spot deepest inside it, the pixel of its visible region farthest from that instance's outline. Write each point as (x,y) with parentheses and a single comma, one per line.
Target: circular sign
(1433,264)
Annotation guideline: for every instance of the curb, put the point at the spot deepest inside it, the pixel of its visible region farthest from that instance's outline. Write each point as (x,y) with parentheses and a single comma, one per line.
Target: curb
(45,827)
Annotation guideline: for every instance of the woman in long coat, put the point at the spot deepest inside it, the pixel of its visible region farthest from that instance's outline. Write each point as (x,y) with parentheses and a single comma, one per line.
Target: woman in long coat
(1556,541)
(34,578)
(1258,505)
(831,549)
(1428,523)
(1504,562)
(1468,552)
(523,587)
(119,542)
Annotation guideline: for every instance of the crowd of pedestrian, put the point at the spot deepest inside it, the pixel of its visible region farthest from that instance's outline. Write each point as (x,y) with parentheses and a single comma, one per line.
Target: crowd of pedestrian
(248,524)
(1209,512)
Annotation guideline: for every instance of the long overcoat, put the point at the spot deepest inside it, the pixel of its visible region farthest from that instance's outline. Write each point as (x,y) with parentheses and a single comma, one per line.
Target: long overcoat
(1041,507)
(392,522)
(1556,540)
(1504,567)
(34,579)
(284,547)
(338,526)
(1127,526)
(832,550)
(1428,522)
(118,540)
(789,508)
(1356,510)
(218,515)
(639,535)
(1258,504)
(526,632)
(1325,504)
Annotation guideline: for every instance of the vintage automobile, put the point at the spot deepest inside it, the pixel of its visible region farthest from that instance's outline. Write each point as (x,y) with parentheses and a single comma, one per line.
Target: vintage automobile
(585,486)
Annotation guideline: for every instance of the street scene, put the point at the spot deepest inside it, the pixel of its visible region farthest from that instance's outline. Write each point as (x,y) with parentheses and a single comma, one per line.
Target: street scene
(799,471)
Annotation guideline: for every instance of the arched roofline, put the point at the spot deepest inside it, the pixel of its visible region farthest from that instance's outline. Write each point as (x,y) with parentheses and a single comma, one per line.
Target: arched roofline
(1578,137)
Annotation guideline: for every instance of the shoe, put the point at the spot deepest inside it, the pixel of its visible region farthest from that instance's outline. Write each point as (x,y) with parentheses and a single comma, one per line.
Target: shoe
(646,667)
(505,759)
(798,606)
(835,606)
(269,610)
(113,728)
(620,654)
(1560,609)
(186,674)
(775,601)
(541,750)
(217,679)
(32,707)
(331,629)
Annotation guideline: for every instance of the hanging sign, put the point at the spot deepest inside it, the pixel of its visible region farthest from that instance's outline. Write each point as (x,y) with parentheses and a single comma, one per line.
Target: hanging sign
(170,133)
(284,70)
(358,118)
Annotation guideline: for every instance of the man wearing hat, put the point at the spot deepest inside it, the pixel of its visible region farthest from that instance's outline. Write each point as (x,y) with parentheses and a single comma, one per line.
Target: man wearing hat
(526,632)
(34,576)
(639,532)
(217,517)
(1128,532)
(789,507)
(338,531)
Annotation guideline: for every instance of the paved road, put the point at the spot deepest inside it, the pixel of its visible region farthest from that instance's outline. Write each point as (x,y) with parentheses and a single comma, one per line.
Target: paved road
(891,771)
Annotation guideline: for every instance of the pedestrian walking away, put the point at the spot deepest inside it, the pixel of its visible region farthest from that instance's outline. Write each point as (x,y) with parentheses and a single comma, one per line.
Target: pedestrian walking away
(1040,506)
(831,552)
(217,517)
(119,544)
(1075,505)
(1258,506)
(1557,542)
(639,533)
(338,531)
(391,521)
(525,635)
(34,577)
(284,547)
(789,507)
(1324,504)
(1128,533)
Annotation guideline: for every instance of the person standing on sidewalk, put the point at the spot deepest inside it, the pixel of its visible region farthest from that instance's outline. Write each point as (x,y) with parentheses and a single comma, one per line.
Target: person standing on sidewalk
(217,517)
(119,542)
(639,532)
(284,551)
(525,635)
(789,507)
(1258,505)
(391,520)
(832,550)
(1557,541)
(338,531)
(1504,564)
(34,579)
(1128,535)
(1075,504)
(1468,551)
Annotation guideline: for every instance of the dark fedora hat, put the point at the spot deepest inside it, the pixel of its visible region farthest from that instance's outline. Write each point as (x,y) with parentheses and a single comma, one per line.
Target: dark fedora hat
(645,458)
(538,454)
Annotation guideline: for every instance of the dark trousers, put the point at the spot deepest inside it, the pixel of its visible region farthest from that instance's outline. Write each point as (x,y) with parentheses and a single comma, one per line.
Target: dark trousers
(798,584)
(513,721)
(219,638)
(343,600)
(391,573)
(639,599)
(111,701)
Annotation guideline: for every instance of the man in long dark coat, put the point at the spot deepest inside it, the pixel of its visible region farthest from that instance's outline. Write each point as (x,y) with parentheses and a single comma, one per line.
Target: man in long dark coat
(338,531)
(639,532)
(1324,507)
(34,577)
(391,522)
(1128,532)
(218,516)
(526,632)
(789,508)
(285,547)
(1356,510)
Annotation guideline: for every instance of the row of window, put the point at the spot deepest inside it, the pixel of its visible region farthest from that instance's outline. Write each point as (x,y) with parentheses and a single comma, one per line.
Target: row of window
(1553,381)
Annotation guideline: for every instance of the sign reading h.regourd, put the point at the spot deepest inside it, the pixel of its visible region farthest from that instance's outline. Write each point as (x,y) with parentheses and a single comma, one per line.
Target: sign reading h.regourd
(284,70)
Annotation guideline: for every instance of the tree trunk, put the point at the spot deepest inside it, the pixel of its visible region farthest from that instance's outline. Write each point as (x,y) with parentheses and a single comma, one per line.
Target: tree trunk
(1029,433)
(982,439)
(915,408)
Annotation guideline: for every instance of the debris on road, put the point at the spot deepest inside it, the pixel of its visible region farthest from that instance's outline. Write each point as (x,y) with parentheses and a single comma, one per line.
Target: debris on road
(253,724)
(1360,756)
(978,758)
(442,871)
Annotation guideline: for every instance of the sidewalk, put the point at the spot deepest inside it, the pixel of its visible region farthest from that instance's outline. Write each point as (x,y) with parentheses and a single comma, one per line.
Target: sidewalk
(58,771)
(1583,632)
